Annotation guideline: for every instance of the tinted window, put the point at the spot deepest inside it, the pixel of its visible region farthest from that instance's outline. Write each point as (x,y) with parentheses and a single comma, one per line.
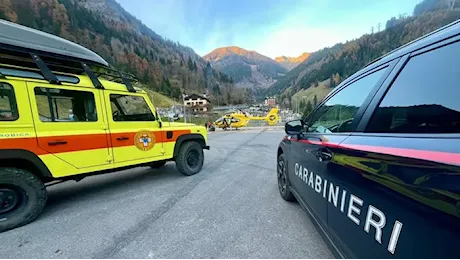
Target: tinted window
(425,96)
(63,105)
(130,108)
(337,114)
(8,107)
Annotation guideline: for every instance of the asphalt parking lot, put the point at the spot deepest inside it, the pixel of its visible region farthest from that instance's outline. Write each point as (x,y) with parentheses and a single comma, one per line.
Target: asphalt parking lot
(231,209)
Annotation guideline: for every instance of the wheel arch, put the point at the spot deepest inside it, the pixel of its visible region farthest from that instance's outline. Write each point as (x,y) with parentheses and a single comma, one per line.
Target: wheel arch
(187,138)
(26,160)
(280,151)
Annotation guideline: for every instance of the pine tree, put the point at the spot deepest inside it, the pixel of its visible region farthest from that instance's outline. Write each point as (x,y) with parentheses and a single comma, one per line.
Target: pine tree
(166,87)
(301,105)
(308,109)
(175,92)
(229,97)
(190,63)
(315,101)
(331,82)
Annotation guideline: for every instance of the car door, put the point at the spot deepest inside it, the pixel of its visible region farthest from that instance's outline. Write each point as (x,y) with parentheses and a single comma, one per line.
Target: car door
(69,123)
(313,151)
(135,133)
(402,164)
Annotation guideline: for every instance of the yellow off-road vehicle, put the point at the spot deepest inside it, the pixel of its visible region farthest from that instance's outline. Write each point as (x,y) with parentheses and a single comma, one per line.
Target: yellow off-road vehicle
(66,114)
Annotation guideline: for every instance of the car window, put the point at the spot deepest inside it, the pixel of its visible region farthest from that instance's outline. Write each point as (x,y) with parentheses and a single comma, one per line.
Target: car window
(424,97)
(337,114)
(130,108)
(8,107)
(63,105)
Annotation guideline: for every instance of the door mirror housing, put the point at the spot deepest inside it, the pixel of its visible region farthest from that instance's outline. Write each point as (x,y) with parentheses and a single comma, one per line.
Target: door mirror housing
(294,127)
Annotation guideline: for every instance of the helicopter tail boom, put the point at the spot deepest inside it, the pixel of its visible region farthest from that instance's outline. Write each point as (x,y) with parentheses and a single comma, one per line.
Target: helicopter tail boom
(271,118)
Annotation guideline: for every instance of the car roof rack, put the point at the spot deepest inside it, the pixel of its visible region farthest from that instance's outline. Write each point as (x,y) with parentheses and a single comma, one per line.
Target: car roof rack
(25,47)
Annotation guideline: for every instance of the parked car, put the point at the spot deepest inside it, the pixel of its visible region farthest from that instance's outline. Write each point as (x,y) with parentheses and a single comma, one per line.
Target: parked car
(377,163)
(60,121)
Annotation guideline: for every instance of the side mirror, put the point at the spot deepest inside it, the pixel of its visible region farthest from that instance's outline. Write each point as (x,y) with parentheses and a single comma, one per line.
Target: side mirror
(293,127)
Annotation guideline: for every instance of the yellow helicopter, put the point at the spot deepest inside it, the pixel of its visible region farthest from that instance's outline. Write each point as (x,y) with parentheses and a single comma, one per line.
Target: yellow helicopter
(241,119)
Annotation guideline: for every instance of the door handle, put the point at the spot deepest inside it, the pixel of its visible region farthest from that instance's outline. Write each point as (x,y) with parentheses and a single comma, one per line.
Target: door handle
(122,138)
(315,140)
(57,143)
(324,154)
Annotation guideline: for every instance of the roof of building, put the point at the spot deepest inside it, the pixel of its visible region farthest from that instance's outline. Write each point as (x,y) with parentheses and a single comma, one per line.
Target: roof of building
(28,38)
(196,96)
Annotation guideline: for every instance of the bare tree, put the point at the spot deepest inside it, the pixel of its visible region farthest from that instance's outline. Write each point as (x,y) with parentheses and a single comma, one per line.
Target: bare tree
(378,27)
(450,4)
(372,29)
(403,15)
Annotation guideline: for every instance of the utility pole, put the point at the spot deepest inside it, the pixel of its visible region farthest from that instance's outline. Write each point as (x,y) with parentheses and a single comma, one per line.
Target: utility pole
(183,103)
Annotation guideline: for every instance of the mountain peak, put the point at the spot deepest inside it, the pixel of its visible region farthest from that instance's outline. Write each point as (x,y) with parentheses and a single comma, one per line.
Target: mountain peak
(298,59)
(247,68)
(222,52)
(291,62)
(233,49)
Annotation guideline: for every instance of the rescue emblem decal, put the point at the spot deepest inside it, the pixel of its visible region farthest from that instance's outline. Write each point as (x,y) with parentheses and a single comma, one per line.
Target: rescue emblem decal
(144,140)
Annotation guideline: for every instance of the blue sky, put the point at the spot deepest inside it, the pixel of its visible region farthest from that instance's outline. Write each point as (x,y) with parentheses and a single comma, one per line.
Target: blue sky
(270,27)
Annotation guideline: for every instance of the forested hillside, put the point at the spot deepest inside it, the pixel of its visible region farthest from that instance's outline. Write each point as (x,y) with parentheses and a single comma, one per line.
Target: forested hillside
(106,28)
(329,66)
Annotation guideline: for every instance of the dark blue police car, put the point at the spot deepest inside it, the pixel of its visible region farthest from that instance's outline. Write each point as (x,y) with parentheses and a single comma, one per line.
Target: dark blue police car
(377,163)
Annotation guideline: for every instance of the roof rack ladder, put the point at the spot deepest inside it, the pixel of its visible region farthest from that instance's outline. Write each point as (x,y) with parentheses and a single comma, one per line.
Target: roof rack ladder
(97,84)
(47,73)
(128,84)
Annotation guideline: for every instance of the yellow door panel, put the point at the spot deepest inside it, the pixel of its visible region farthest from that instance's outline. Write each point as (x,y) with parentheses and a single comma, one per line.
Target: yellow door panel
(135,134)
(70,123)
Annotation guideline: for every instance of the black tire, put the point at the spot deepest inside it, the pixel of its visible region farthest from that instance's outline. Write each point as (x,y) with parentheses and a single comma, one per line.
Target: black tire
(23,197)
(190,158)
(283,181)
(158,164)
